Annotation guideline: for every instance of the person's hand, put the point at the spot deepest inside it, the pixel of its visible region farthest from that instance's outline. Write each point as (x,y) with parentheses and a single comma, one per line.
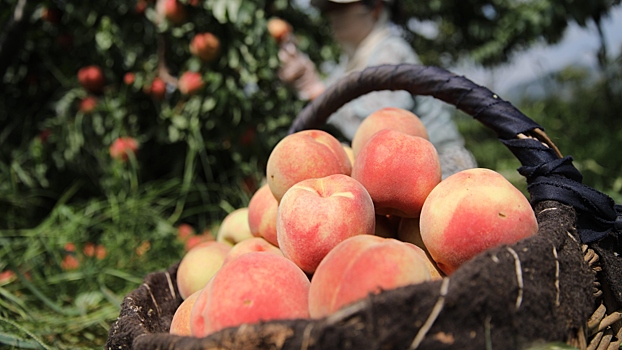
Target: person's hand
(298,71)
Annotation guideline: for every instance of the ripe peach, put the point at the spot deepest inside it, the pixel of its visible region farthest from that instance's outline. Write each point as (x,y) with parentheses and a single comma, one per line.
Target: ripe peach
(398,171)
(157,89)
(317,214)
(234,227)
(254,244)
(350,153)
(195,240)
(255,287)
(172,10)
(362,265)
(199,265)
(122,147)
(190,83)
(184,232)
(91,78)
(388,118)
(180,324)
(472,211)
(262,210)
(197,322)
(279,29)
(305,155)
(205,46)
(129,78)
(88,104)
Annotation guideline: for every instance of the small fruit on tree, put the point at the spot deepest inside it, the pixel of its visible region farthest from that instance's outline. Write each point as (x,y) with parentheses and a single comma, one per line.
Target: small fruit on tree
(88,104)
(91,78)
(470,212)
(206,46)
(157,89)
(172,10)
(279,29)
(129,78)
(122,147)
(190,83)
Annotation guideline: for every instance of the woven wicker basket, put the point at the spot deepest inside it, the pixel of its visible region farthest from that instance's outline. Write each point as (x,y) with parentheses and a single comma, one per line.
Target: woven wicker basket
(547,288)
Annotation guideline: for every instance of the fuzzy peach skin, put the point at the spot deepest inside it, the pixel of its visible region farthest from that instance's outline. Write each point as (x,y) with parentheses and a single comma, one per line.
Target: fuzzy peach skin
(398,171)
(255,244)
(180,324)
(470,212)
(234,227)
(262,210)
(350,153)
(317,214)
(307,154)
(362,265)
(197,322)
(388,118)
(198,265)
(255,287)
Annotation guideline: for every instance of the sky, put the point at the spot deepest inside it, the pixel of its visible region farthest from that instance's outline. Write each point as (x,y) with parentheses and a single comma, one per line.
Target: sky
(578,47)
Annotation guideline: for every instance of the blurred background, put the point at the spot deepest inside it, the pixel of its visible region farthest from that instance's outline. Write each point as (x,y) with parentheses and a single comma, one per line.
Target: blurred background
(124,139)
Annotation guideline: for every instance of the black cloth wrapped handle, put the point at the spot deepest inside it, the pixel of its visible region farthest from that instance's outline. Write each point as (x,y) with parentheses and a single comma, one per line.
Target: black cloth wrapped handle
(549,175)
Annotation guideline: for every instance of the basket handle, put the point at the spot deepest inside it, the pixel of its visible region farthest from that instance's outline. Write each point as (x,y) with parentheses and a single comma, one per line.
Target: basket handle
(549,175)
(477,101)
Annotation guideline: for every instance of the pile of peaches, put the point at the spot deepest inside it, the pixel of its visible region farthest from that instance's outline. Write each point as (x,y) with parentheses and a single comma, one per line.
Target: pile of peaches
(335,223)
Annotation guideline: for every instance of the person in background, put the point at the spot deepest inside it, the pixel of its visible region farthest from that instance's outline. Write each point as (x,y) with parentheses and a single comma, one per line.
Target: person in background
(363,30)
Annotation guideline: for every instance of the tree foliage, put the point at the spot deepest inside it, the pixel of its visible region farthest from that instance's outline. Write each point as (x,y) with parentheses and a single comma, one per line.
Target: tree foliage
(491,31)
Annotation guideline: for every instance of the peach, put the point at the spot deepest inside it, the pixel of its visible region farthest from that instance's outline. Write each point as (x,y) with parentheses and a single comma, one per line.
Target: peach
(234,227)
(398,171)
(350,153)
(317,214)
(190,83)
(88,104)
(121,148)
(255,287)
(91,78)
(254,244)
(172,10)
(197,322)
(262,210)
(157,89)
(180,325)
(304,155)
(205,46)
(388,118)
(362,265)
(198,265)
(470,212)
(279,29)
(129,78)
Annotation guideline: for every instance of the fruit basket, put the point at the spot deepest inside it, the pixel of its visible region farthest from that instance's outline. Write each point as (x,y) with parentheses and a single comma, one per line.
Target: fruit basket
(561,285)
